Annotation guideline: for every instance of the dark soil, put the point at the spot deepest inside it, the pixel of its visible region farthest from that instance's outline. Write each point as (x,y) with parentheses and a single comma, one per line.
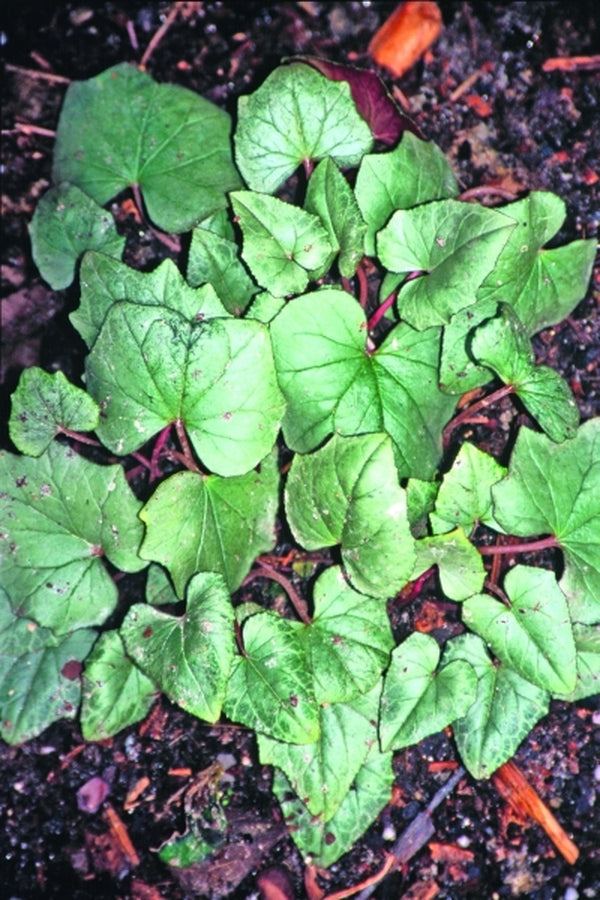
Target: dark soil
(528,129)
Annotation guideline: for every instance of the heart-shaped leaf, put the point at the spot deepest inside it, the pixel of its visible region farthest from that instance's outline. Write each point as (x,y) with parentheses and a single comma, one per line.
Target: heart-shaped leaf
(61,515)
(65,224)
(459,563)
(121,128)
(189,657)
(43,406)
(533,636)
(212,524)
(464,497)
(347,493)
(270,686)
(554,489)
(150,367)
(331,384)
(417,699)
(296,115)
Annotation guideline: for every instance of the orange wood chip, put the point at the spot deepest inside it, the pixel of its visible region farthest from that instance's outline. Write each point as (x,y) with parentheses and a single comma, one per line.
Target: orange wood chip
(121,835)
(406,35)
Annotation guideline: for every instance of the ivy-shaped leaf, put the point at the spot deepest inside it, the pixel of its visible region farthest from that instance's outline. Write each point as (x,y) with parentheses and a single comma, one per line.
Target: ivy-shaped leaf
(414,172)
(212,524)
(554,489)
(121,128)
(296,115)
(61,514)
(322,772)
(65,224)
(459,563)
(216,260)
(349,640)
(39,674)
(45,405)
(504,712)
(454,245)
(464,497)
(115,692)
(104,281)
(331,384)
(347,493)
(188,657)
(284,246)
(418,699)
(534,635)
(150,367)
(270,685)
(503,345)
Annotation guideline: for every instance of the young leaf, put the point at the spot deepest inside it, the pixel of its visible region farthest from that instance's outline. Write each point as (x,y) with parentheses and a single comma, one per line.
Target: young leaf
(502,344)
(348,642)
(216,260)
(331,384)
(347,493)
(189,657)
(587,646)
(415,172)
(330,197)
(458,370)
(43,406)
(39,674)
(212,524)
(504,712)
(459,563)
(284,246)
(67,222)
(418,700)
(270,686)
(104,281)
(61,515)
(296,115)
(534,635)
(554,489)
(454,245)
(464,497)
(150,367)
(542,286)
(122,128)
(115,692)
(322,772)
(324,842)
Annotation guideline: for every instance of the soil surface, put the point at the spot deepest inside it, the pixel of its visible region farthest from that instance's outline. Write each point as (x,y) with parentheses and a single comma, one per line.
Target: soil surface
(513,126)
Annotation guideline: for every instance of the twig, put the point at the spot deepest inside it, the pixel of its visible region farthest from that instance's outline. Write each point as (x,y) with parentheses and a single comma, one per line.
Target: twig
(487,190)
(158,35)
(34,73)
(121,835)
(571,63)
(465,85)
(27,128)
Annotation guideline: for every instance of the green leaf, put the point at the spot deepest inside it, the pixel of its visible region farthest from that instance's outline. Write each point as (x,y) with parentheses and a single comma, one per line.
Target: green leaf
(503,345)
(330,197)
(587,646)
(61,515)
(212,524)
(284,246)
(190,656)
(504,712)
(454,245)
(116,693)
(458,370)
(39,674)
(43,406)
(331,384)
(542,286)
(216,260)
(459,563)
(347,493)
(322,772)
(464,497)
(554,489)
(65,224)
(150,367)
(121,128)
(270,686)
(322,843)
(533,635)
(104,281)
(348,642)
(295,116)
(418,699)
(159,589)
(414,172)
(420,496)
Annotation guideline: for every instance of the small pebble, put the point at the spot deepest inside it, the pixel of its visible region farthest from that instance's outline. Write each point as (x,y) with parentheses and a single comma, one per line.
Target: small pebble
(571,894)
(597,773)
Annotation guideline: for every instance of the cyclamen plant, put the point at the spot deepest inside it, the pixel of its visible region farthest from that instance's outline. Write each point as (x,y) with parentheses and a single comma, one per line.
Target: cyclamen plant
(299,385)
